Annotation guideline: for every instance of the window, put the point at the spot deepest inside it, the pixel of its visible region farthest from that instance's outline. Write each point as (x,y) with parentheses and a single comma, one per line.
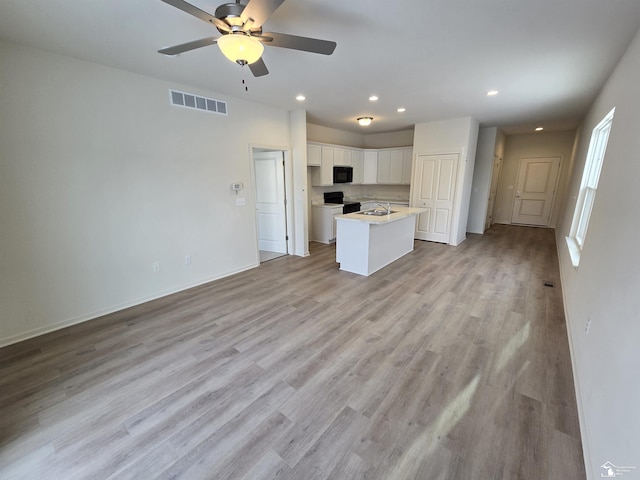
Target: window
(588,187)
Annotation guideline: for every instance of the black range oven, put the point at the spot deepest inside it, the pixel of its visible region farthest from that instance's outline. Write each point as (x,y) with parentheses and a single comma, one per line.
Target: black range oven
(338,199)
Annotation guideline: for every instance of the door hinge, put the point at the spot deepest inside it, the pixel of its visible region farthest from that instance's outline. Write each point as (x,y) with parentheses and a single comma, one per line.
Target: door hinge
(286,237)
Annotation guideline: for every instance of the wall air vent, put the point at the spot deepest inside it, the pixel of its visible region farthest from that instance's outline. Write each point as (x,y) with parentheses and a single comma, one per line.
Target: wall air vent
(188,100)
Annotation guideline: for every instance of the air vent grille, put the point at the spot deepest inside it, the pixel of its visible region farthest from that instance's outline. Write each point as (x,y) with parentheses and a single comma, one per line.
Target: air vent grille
(189,100)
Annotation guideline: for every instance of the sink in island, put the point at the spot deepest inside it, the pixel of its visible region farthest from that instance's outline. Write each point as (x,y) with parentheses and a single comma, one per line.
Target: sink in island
(368,241)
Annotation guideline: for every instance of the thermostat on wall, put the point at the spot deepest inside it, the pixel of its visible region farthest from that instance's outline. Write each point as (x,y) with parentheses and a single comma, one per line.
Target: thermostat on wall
(237,187)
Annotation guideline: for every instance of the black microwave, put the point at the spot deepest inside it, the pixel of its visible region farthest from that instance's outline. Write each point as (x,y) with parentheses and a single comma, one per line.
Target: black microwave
(342,174)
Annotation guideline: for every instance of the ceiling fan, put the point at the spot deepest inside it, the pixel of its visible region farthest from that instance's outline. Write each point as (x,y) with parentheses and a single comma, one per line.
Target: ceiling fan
(242,40)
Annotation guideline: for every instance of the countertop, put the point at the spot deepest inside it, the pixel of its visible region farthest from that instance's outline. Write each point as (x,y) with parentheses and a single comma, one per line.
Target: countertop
(330,205)
(401,212)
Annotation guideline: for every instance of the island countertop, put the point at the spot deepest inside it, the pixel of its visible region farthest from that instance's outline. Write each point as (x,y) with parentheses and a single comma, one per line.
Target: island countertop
(400,212)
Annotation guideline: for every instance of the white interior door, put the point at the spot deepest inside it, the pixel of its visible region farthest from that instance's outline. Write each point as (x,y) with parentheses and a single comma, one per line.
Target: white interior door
(537,178)
(270,201)
(435,186)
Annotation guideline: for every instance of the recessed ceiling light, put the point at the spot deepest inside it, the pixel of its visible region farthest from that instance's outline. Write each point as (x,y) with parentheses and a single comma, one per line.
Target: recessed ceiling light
(401,110)
(492,93)
(539,129)
(301,98)
(365,121)
(373,98)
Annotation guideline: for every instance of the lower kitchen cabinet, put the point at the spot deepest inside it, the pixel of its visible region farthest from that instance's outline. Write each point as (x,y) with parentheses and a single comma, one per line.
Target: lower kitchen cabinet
(323,223)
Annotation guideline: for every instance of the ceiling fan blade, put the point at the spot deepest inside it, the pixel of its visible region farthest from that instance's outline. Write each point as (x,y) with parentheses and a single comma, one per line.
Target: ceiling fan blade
(185,47)
(259,11)
(258,68)
(196,12)
(306,44)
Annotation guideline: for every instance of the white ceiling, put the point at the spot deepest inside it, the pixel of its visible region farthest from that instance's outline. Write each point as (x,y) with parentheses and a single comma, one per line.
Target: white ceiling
(436,58)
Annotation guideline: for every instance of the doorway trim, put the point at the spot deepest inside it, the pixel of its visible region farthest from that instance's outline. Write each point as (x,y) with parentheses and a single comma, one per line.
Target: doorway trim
(288,191)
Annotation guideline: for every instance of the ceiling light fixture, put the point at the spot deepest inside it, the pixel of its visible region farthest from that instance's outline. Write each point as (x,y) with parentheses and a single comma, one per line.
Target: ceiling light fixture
(401,110)
(240,48)
(301,98)
(373,98)
(539,129)
(492,93)
(365,121)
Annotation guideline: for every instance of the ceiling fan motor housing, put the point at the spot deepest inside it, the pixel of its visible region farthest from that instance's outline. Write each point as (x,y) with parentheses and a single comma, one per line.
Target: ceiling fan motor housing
(230,14)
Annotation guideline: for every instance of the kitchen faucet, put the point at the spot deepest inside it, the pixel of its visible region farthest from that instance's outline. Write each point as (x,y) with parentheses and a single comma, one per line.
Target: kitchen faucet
(387,206)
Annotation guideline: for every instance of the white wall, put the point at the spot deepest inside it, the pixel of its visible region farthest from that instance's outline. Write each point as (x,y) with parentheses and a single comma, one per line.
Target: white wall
(403,138)
(318,133)
(605,287)
(100,177)
(298,121)
(541,144)
(448,136)
(481,179)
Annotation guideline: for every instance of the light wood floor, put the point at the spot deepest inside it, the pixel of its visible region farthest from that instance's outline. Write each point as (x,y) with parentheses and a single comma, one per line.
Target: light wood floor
(452,363)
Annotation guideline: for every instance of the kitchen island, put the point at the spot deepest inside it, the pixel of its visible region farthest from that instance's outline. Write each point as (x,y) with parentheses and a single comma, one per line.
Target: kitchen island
(370,240)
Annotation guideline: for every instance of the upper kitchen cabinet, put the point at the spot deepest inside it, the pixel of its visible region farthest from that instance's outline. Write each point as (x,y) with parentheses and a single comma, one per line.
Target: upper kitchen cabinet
(323,176)
(386,166)
(407,165)
(314,155)
(342,157)
(370,167)
(391,168)
(357,162)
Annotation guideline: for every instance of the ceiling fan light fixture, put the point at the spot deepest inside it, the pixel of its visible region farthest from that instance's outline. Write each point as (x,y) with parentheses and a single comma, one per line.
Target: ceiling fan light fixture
(365,121)
(240,48)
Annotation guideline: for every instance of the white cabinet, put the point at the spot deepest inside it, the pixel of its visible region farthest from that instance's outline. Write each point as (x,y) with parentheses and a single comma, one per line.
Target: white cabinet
(370,168)
(357,162)
(395,166)
(384,163)
(323,176)
(314,155)
(407,164)
(342,157)
(390,166)
(323,223)
(386,166)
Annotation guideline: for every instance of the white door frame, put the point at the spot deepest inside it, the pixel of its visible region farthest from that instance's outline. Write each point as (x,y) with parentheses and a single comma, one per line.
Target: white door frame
(288,187)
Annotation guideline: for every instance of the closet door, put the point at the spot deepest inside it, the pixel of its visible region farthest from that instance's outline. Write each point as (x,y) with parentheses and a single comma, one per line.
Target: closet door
(435,185)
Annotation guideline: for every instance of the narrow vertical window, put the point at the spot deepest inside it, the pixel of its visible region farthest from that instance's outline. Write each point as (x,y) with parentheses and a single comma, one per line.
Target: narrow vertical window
(588,187)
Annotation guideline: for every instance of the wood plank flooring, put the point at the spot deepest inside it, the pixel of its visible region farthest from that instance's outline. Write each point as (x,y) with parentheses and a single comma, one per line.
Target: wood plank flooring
(451,363)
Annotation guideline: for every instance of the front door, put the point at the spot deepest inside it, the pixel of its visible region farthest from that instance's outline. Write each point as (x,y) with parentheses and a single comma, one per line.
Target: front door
(537,178)
(270,201)
(435,185)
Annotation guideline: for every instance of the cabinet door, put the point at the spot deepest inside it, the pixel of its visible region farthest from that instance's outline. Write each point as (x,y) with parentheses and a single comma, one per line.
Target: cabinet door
(370,175)
(314,155)
(395,166)
(326,169)
(342,157)
(407,163)
(357,162)
(323,176)
(384,163)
